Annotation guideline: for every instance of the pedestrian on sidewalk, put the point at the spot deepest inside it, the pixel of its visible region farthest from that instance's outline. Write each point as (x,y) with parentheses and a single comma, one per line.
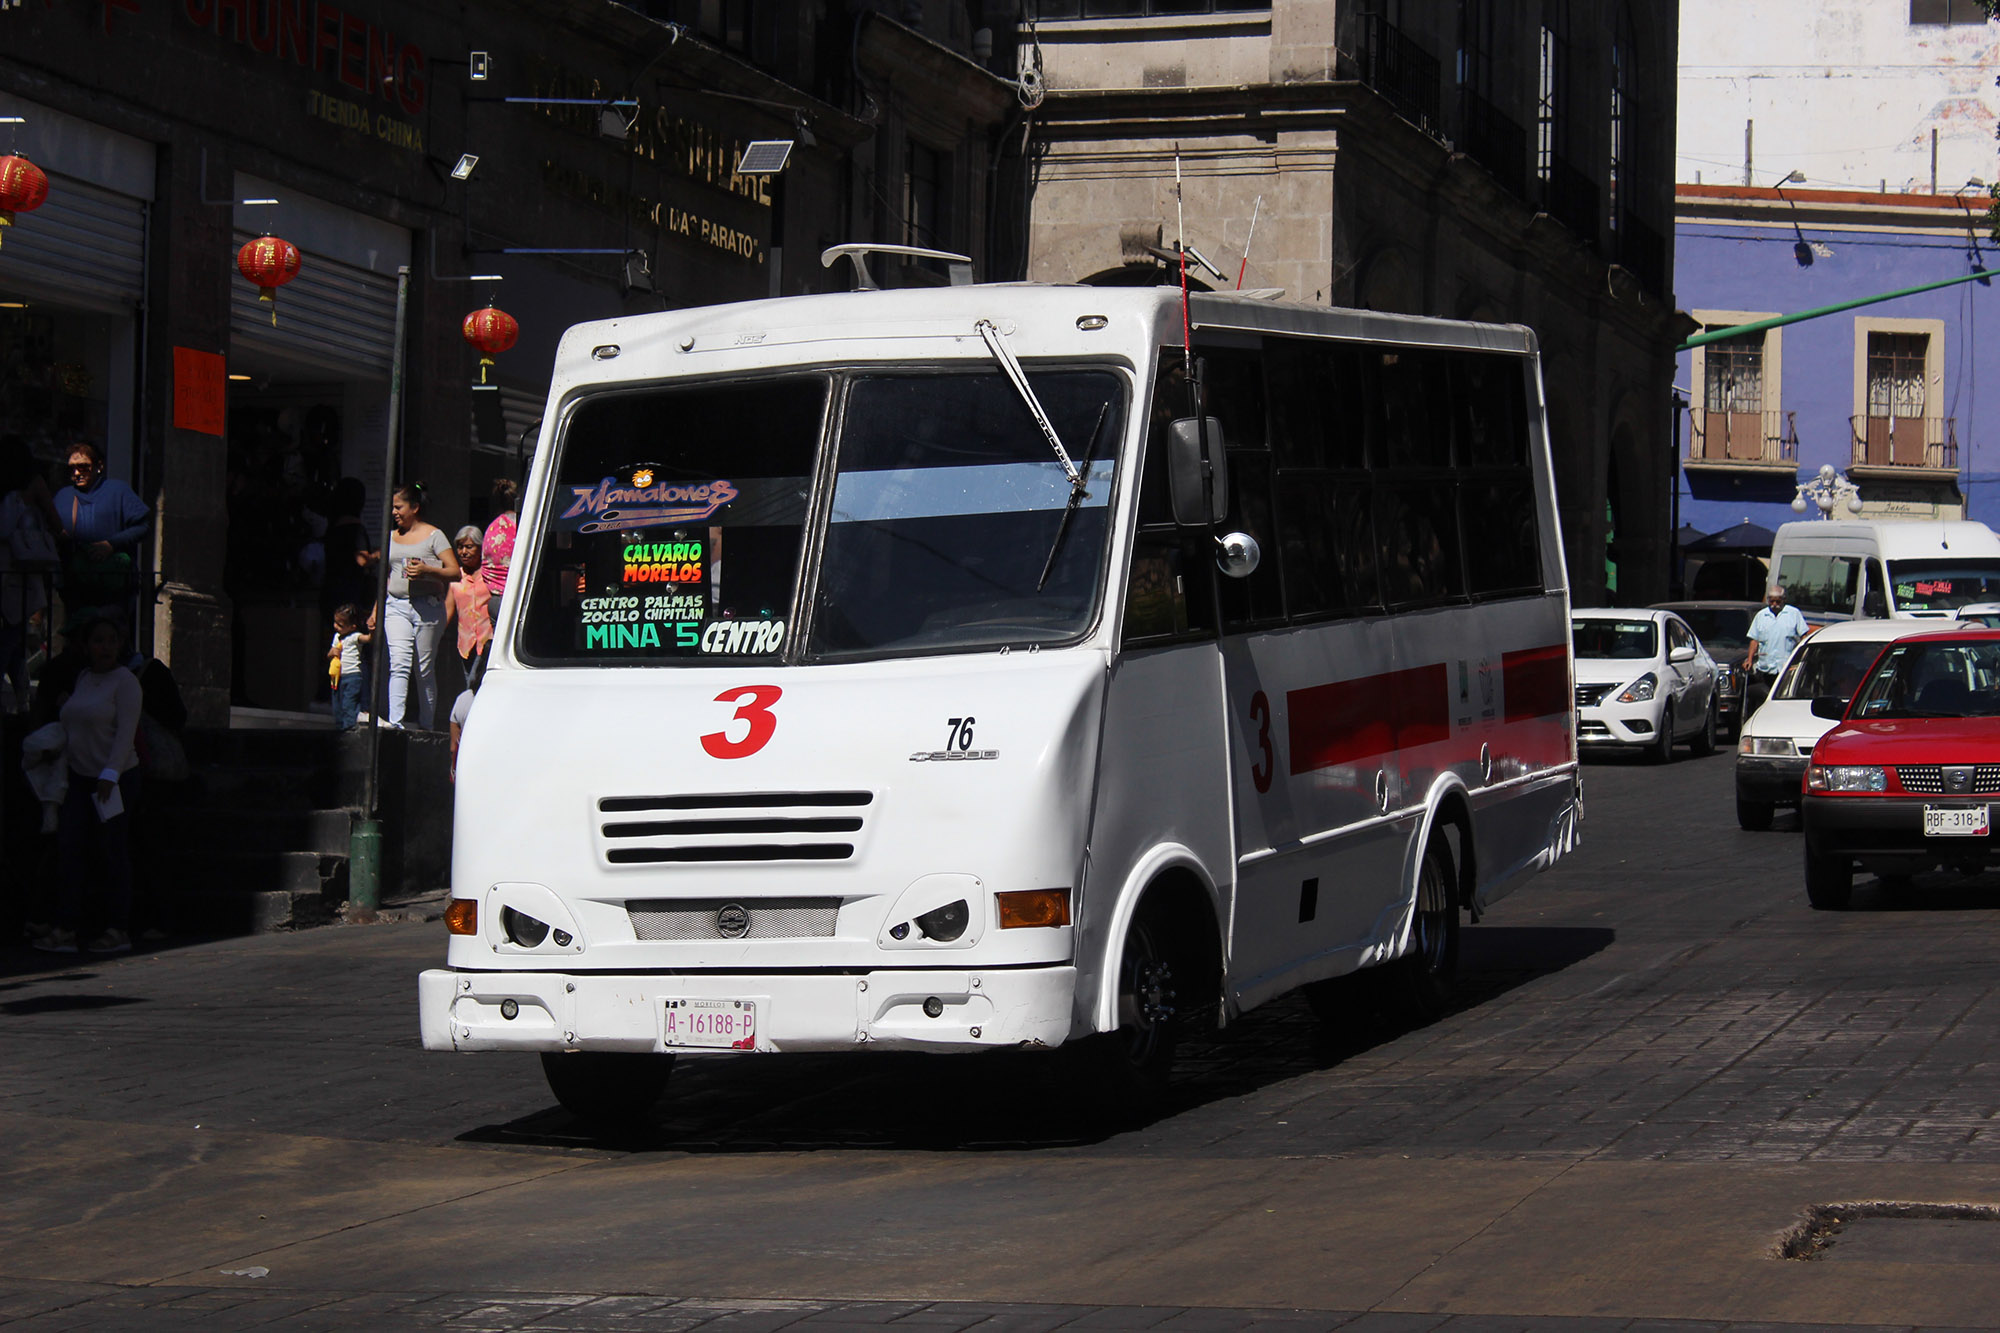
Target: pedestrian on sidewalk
(345,655)
(103,521)
(496,549)
(421,569)
(469,607)
(100,720)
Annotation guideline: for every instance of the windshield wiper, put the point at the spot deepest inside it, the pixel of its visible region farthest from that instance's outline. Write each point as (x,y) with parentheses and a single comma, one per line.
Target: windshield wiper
(1019,377)
(1075,498)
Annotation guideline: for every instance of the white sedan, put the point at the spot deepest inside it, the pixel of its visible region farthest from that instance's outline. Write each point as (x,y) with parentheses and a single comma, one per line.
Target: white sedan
(1644,681)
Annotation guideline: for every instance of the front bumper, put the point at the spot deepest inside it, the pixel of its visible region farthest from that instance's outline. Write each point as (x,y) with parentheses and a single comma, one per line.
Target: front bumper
(1613,724)
(1886,833)
(1771,779)
(594,1011)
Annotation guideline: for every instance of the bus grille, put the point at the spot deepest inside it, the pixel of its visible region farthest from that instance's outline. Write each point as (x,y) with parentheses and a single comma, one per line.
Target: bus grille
(748,826)
(763,918)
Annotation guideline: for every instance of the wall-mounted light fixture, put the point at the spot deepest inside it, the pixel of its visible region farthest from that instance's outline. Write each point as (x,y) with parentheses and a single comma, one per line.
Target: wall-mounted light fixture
(466,163)
(481,66)
(1802,250)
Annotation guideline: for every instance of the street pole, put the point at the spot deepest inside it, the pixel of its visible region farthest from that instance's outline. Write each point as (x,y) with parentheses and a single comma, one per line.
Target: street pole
(364,846)
(1980,276)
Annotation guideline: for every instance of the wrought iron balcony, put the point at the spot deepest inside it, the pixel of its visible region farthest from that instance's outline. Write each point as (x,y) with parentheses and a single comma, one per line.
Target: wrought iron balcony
(1753,441)
(1494,141)
(1905,442)
(1404,73)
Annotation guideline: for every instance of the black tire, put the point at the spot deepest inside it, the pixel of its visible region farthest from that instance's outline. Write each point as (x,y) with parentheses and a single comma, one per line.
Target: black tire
(1423,981)
(1123,1076)
(1754,816)
(1829,880)
(1704,740)
(607,1089)
(1662,749)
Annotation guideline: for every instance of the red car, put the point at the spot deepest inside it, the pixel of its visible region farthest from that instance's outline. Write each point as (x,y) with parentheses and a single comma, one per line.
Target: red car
(1909,779)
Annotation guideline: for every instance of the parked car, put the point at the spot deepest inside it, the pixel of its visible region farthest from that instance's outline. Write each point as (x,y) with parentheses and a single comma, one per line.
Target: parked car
(1777,741)
(1724,630)
(1906,782)
(1643,681)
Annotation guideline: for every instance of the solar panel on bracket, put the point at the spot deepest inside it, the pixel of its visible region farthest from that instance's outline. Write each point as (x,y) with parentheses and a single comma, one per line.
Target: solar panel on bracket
(764,157)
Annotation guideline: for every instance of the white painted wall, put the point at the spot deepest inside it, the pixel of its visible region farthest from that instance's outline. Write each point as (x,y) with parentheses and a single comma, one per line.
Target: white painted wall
(1846,91)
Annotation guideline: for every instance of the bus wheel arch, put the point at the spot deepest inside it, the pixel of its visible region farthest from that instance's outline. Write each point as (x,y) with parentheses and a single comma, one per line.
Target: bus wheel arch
(1175,889)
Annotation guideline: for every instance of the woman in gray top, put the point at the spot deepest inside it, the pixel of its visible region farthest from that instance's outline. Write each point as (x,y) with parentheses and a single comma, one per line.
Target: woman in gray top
(421,567)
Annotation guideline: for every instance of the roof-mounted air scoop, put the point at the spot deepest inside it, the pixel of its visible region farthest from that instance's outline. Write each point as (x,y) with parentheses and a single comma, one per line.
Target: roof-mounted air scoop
(959,266)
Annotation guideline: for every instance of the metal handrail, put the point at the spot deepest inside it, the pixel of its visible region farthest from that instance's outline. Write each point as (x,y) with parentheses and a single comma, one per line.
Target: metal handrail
(1777,437)
(1913,442)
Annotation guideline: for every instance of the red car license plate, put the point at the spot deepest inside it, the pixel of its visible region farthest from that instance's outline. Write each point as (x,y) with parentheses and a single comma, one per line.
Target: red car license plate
(1957,821)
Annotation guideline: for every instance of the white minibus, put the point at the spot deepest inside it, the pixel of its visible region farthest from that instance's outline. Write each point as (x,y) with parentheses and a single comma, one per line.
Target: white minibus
(1866,569)
(925,669)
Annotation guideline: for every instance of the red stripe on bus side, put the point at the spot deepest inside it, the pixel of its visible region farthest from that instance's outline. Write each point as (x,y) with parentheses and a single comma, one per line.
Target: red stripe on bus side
(1350,720)
(1536,682)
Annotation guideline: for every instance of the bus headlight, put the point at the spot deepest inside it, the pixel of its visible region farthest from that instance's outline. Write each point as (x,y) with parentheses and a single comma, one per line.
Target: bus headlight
(947,923)
(1846,777)
(1640,690)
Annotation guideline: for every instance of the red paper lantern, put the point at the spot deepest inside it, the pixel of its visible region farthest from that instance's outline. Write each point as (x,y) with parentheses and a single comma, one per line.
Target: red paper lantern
(492,331)
(23,187)
(270,262)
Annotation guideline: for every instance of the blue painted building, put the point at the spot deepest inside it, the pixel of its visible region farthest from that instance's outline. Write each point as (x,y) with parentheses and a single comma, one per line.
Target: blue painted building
(1886,393)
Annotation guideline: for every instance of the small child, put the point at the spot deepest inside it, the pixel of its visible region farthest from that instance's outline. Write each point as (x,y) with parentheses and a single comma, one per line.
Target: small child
(348,636)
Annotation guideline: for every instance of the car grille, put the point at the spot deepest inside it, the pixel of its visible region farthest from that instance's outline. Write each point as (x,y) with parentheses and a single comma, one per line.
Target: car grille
(764,918)
(750,826)
(1928,779)
(1593,729)
(1589,695)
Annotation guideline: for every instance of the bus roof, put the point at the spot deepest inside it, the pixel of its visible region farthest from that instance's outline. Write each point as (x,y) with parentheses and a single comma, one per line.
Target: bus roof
(938,322)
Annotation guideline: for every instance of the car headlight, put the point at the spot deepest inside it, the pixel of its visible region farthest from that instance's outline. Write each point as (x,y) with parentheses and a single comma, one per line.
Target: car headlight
(1778,746)
(1640,690)
(1850,777)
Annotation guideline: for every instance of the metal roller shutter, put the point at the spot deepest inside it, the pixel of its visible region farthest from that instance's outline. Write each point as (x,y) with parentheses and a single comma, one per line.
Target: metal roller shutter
(85,247)
(333,315)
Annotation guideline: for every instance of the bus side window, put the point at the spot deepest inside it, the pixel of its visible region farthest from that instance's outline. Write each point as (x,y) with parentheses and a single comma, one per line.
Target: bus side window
(1169,591)
(1844,583)
(1875,594)
(1416,526)
(1805,579)
(1415,422)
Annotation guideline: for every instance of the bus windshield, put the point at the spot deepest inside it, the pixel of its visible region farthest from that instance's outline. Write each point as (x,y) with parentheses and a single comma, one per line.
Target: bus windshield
(1943,585)
(678,521)
(953,523)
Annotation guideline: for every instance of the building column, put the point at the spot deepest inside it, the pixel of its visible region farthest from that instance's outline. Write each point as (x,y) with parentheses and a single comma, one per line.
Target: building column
(188,306)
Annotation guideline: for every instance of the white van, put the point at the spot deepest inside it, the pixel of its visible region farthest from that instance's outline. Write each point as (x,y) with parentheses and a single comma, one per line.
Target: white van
(1835,570)
(897,670)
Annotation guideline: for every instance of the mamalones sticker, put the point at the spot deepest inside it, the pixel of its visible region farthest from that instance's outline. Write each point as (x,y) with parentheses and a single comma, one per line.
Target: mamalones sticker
(639,499)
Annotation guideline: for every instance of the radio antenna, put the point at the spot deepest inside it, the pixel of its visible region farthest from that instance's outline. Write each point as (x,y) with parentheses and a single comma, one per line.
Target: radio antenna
(1245,266)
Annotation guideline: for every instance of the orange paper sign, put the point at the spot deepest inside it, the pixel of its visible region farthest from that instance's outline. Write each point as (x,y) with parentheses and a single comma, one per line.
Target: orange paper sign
(200,391)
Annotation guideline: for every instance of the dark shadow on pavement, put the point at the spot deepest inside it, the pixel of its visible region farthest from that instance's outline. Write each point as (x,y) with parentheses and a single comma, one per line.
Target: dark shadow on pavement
(1941,891)
(56,1004)
(1017,1100)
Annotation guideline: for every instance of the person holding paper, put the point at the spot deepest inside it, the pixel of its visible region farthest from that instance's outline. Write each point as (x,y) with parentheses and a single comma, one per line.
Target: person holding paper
(101,719)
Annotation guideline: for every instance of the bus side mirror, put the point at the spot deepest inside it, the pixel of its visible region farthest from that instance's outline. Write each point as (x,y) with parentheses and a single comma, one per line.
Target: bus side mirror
(1188,463)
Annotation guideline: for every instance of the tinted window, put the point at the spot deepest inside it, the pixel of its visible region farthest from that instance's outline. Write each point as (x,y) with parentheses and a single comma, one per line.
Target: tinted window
(1502,542)
(1724,630)
(1328,547)
(1318,406)
(1414,408)
(1944,585)
(1818,670)
(1416,531)
(1933,679)
(1615,640)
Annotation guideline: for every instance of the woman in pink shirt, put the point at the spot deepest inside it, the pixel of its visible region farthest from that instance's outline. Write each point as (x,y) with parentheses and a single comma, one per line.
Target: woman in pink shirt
(496,553)
(468,606)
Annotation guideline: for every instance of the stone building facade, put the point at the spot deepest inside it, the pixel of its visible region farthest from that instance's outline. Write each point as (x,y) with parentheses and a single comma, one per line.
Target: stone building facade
(123,318)
(1504,160)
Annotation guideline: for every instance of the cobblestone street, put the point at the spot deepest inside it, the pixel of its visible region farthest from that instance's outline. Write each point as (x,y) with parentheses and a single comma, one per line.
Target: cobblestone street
(1662,1057)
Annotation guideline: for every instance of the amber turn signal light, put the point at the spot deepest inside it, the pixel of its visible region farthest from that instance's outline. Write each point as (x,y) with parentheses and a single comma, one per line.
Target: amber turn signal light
(462,916)
(1033,907)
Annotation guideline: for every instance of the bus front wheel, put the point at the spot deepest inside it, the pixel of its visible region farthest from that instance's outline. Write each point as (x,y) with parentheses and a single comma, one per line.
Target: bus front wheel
(1124,1073)
(1427,975)
(607,1089)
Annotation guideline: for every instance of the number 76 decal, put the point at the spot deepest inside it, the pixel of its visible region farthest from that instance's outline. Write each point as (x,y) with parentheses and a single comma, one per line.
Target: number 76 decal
(755,709)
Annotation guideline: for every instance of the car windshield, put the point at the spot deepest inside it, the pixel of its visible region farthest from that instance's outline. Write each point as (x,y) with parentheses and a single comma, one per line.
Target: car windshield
(1723,630)
(1933,678)
(1818,670)
(953,524)
(1615,640)
(1943,585)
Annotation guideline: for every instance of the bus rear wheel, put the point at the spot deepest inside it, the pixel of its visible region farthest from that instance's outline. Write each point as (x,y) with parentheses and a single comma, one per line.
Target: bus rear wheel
(607,1089)
(1425,978)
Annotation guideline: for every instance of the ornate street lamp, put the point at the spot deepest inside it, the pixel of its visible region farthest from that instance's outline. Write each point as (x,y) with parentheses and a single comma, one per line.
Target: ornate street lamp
(1829,490)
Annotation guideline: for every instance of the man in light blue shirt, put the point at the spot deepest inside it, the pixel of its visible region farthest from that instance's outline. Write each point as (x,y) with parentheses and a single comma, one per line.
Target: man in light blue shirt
(1774,632)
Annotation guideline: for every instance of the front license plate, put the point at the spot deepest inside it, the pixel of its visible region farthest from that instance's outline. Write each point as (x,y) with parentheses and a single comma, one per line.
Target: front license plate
(725,1025)
(1957,821)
